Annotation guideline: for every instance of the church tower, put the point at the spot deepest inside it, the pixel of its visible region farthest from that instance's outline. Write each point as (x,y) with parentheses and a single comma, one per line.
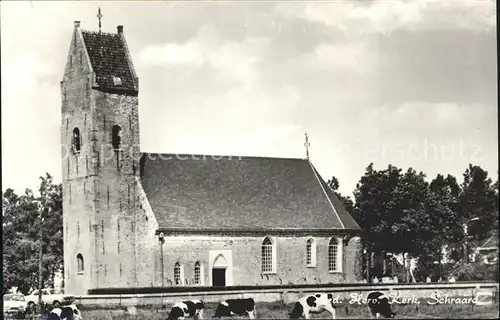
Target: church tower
(100,161)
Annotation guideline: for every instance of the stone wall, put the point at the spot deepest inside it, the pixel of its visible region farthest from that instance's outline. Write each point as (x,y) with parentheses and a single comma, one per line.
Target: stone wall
(116,202)
(100,203)
(346,295)
(147,242)
(243,255)
(354,260)
(77,175)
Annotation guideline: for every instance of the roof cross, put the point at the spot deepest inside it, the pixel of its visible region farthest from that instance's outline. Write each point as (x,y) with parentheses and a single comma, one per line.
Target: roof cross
(307,144)
(99,16)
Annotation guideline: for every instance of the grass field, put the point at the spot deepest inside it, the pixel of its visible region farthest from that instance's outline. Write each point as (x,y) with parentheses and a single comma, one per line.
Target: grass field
(280,311)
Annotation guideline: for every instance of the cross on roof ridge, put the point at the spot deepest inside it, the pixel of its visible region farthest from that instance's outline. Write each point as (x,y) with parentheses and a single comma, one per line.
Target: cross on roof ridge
(99,16)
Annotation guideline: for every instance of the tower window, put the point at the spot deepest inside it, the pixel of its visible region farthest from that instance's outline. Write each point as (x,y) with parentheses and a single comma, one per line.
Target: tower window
(117,81)
(79,264)
(76,141)
(116,137)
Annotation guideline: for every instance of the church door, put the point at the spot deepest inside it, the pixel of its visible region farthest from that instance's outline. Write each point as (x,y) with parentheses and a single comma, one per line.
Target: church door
(219,271)
(219,277)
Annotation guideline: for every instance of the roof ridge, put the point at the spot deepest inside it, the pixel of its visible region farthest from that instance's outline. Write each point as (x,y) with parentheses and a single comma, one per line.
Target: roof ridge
(326,194)
(222,155)
(99,32)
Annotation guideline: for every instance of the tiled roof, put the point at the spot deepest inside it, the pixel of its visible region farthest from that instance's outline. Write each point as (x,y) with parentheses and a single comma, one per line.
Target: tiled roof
(347,220)
(108,57)
(228,193)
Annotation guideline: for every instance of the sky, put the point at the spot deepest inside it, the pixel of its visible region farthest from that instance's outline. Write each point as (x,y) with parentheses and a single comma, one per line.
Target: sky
(407,83)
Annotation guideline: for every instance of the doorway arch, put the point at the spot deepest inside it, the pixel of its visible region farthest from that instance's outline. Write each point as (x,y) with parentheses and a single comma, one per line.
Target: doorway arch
(221,271)
(220,262)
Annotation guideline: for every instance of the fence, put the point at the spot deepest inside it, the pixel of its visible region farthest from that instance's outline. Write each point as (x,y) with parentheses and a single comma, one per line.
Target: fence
(290,294)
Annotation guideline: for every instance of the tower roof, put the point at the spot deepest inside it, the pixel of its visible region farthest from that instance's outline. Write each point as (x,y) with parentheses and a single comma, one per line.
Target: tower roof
(110,60)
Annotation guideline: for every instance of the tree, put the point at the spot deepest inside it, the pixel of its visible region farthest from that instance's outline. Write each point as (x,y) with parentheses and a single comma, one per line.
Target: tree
(478,199)
(402,213)
(19,238)
(446,215)
(374,211)
(394,211)
(495,189)
(409,199)
(439,223)
(51,197)
(377,209)
(333,184)
(21,235)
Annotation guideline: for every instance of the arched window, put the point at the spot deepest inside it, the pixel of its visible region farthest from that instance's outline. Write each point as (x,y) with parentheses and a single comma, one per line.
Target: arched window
(268,256)
(178,274)
(311,253)
(79,264)
(334,257)
(116,137)
(198,274)
(76,140)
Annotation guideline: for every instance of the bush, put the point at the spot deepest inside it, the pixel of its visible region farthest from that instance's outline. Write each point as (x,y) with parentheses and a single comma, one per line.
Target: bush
(475,271)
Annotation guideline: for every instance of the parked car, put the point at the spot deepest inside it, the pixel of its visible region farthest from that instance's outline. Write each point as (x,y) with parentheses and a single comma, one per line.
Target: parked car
(49,297)
(14,303)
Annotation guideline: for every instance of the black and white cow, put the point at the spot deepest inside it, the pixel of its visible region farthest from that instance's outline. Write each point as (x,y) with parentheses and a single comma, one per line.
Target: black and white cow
(313,303)
(185,309)
(238,307)
(379,305)
(69,312)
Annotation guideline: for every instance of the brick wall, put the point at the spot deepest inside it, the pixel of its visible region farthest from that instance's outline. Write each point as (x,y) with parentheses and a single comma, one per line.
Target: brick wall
(353,260)
(245,253)
(99,190)
(78,181)
(147,242)
(116,202)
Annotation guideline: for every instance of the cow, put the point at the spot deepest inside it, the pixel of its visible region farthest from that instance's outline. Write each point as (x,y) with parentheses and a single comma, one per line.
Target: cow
(69,312)
(378,304)
(313,303)
(239,307)
(183,309)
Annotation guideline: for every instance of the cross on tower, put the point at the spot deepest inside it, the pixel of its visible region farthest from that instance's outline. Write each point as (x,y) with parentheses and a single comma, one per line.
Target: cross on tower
(99,16)
(307,144)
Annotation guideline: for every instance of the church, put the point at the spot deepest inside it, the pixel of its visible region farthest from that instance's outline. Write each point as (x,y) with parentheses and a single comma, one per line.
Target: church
(135,219)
